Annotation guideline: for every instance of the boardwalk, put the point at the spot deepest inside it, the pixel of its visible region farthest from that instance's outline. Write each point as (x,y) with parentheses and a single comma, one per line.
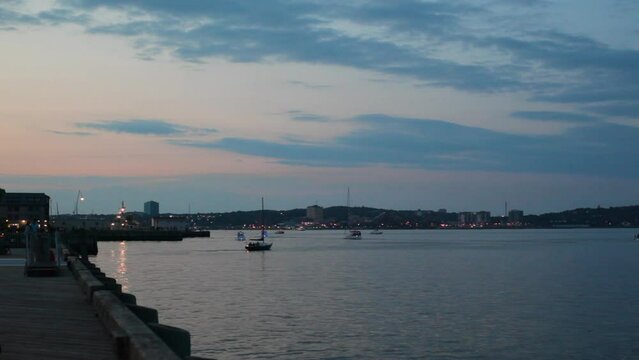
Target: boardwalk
(48,318)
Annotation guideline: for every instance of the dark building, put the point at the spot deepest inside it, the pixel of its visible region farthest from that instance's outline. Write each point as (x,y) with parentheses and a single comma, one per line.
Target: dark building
(152,208)
(515,217)
(18,209)
(315,213)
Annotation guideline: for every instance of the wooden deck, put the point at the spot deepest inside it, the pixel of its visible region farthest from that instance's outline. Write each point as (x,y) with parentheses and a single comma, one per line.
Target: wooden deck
(48,318)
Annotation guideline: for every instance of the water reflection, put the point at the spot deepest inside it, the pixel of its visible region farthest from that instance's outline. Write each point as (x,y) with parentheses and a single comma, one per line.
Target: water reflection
(120,258)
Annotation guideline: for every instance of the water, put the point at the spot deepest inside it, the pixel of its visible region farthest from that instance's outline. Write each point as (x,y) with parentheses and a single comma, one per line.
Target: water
(502,294)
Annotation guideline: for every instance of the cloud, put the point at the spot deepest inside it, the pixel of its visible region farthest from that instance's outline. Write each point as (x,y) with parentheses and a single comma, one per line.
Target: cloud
(436,43)
(308,85)
(439,145)
(554,116)
(145,127)
(71,133)
(410,39)
(593,72)
(621,109)
(302,116)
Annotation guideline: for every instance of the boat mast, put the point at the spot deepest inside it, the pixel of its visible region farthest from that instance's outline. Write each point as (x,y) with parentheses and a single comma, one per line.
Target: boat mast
(262,216)
(348,207)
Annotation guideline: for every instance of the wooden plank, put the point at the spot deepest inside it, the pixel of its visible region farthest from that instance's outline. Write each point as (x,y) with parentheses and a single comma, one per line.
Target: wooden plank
(48,318)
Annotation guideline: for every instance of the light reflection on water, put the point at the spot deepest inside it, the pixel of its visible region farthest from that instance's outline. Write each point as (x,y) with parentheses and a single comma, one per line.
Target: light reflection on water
(117,259)
(506,294)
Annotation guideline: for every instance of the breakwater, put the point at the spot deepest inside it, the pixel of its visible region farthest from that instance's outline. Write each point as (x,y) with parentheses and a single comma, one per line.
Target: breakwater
(135,330)
(135,235)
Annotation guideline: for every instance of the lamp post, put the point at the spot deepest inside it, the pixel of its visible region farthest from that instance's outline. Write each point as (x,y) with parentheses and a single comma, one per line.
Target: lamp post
(78,198)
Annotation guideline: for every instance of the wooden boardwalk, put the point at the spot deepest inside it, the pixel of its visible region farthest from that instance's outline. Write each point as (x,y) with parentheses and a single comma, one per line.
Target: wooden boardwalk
(48,318)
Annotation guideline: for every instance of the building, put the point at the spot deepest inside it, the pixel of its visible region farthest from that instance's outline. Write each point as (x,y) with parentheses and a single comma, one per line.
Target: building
(515,217)
(88,222)
(482,217)
(18,209)
(465,218)
(170,223)
(315,213)
(152,208)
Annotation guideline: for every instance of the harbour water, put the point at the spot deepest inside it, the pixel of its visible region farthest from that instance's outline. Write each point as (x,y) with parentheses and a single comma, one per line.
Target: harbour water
(481,294)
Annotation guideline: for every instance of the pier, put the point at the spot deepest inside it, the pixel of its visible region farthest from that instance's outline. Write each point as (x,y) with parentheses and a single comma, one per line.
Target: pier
(48,318)
(79,314)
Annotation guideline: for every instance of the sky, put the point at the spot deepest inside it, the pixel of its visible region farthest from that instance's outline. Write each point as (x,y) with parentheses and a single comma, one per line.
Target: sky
(207,106)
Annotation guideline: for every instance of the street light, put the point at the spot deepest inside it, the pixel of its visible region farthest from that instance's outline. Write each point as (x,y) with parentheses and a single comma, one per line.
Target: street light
(78,198)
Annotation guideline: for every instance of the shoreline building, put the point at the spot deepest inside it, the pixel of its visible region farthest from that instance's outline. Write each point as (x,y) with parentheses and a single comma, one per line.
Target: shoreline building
(152,208)
(18,209)
(482,218)
(315,213)
(170,222)
(515,217)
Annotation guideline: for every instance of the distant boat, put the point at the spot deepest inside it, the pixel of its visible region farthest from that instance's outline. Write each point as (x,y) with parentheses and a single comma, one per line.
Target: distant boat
(637,237)
(259,244)
(300,228)
(279,232)
(351,234)
(377,232)
(240,236)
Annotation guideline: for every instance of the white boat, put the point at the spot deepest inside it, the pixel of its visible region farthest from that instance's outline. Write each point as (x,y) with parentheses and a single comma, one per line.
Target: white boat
(259,244)
(240,236)
(377,232)
(351,234)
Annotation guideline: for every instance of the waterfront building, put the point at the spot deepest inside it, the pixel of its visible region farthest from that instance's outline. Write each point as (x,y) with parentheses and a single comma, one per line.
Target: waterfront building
(465,218)
(482,217)
(87,222)
(152,208)
(315,213)
(170,222)
(18,209)
(515,217)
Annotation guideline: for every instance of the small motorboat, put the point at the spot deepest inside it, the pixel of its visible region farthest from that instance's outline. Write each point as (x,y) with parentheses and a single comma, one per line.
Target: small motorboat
(240,236)
(353,235)
(377,232)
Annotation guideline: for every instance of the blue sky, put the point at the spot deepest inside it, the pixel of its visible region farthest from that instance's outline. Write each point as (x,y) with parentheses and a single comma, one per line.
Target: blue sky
(413,104)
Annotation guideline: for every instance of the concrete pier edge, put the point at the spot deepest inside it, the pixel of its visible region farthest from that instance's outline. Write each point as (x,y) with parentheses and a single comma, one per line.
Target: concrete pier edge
(133,333)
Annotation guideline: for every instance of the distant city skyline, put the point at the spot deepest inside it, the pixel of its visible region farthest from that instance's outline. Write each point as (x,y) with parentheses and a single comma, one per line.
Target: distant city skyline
(211,105)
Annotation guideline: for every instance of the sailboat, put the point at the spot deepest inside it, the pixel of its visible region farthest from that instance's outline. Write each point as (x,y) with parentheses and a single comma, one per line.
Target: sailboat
(259,244)
(351,234)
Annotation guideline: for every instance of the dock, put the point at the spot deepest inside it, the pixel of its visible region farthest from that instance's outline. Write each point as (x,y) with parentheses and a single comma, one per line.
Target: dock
(79,313)
(48,318)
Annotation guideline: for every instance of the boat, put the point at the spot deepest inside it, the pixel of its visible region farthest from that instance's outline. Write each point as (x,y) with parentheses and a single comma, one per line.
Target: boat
(637,237)
(351,234)
(259,244)
(377,232)
(240,236)
(279,232)
(300,228)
